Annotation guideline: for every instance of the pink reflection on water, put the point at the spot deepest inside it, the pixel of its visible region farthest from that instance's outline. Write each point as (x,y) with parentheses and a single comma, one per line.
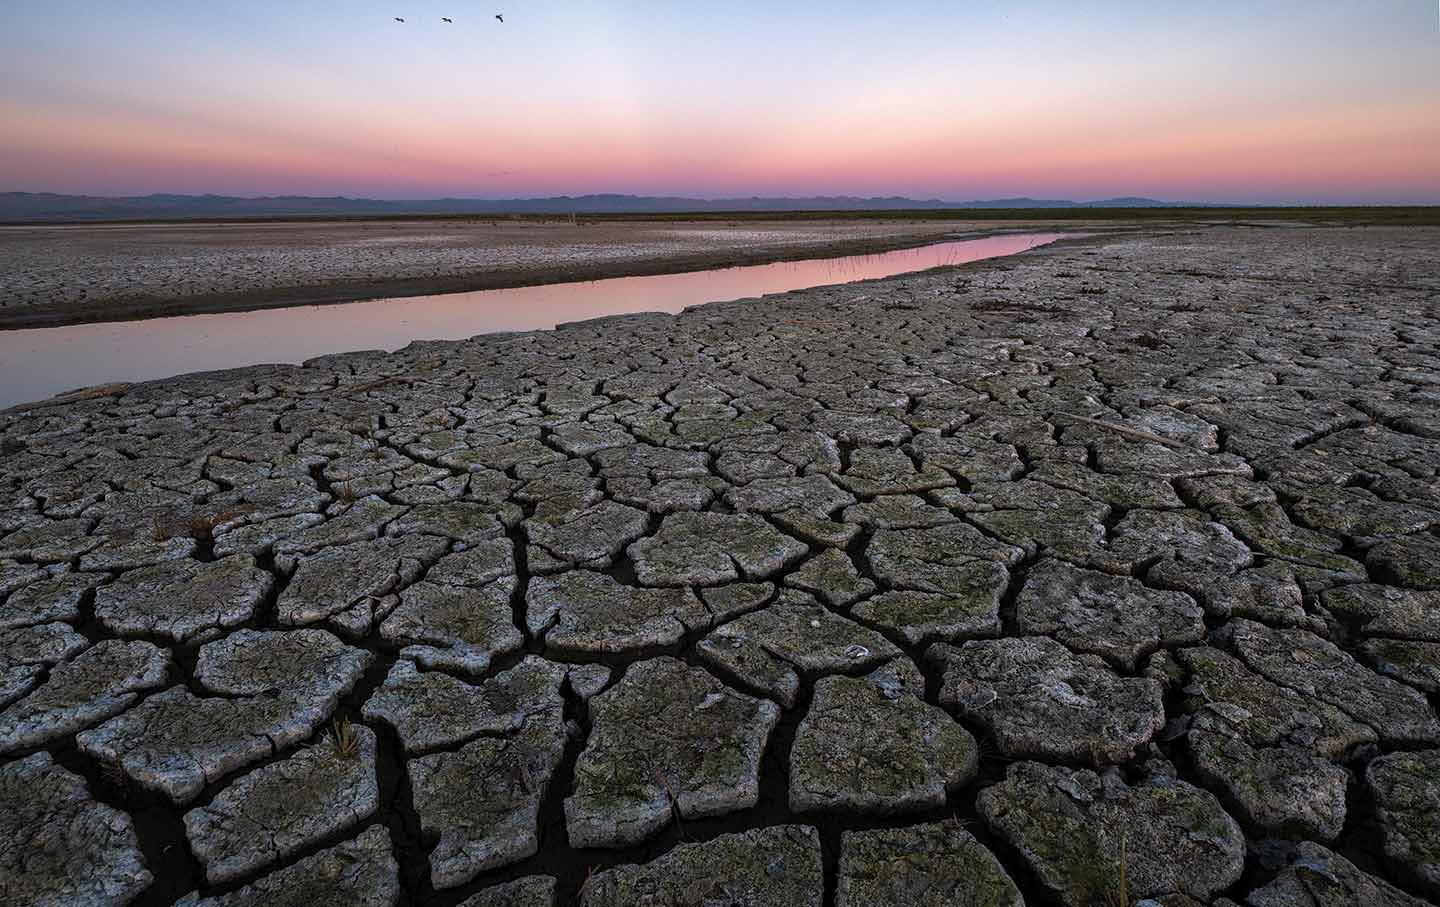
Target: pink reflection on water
(39,363)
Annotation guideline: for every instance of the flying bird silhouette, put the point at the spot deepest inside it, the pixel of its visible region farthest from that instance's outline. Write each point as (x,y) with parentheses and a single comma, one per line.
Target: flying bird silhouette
(500,17)
(444,19)
(398,19)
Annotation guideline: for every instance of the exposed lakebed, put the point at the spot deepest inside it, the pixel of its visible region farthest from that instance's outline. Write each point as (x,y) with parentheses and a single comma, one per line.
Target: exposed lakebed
(41,362)
(1106,574)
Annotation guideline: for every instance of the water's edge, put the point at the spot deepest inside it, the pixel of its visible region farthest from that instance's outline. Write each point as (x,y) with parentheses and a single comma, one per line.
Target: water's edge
(37,363)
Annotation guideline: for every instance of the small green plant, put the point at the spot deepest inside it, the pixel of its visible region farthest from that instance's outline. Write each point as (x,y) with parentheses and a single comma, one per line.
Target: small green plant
(344,492)
(344,739)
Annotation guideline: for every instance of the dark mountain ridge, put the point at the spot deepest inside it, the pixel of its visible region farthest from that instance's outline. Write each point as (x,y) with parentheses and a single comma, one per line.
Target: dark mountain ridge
(47,206)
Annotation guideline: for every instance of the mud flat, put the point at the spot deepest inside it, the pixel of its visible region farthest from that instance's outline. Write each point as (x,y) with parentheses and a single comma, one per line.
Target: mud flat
(1110,565)
(71,274)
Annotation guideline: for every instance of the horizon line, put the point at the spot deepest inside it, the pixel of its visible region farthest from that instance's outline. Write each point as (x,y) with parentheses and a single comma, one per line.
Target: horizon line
(740,197)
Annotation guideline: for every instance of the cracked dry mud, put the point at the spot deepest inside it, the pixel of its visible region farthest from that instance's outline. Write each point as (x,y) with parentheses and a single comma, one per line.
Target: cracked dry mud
(992,585)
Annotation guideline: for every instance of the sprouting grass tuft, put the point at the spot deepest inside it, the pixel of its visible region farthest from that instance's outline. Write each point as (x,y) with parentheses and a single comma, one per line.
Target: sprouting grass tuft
(344,739)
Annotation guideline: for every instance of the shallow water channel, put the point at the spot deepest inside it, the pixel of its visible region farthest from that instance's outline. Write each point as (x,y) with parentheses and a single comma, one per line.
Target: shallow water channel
(42,362)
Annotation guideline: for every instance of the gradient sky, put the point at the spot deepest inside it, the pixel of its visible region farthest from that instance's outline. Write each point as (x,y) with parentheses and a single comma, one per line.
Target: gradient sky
(1221,100)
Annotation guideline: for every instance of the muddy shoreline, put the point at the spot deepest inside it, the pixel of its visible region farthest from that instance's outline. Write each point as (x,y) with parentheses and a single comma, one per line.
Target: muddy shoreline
(152,302)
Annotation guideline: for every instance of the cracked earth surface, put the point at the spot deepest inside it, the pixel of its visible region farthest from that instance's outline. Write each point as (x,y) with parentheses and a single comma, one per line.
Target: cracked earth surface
(966,587)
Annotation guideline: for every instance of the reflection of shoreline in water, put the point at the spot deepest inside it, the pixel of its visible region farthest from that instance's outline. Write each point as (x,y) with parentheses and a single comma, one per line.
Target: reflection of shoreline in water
(41,362)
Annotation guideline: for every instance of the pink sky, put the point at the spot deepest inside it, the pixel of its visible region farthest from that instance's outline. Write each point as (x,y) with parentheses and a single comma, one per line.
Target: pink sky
(1220,103)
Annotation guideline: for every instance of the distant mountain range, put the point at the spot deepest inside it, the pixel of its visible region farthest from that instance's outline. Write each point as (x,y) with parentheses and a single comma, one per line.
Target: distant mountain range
(46,206)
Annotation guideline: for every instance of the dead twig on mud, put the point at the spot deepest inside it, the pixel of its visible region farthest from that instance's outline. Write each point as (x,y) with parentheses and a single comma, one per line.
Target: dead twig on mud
(585,885)
(674,803)
(1127,430)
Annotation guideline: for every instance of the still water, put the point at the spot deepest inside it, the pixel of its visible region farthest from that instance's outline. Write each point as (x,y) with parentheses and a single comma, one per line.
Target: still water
(39,363)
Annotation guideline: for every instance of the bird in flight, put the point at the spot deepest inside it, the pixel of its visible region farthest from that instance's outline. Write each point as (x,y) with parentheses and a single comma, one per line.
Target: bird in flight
(398,19)
(500,17)
(444,19)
